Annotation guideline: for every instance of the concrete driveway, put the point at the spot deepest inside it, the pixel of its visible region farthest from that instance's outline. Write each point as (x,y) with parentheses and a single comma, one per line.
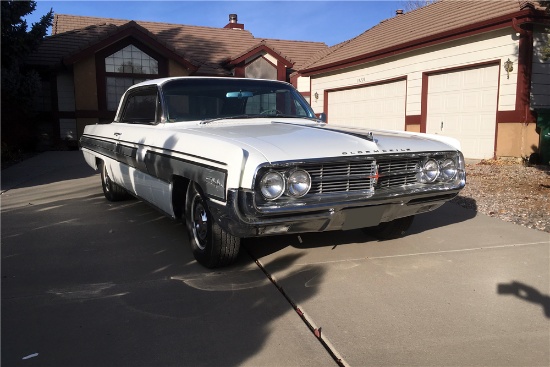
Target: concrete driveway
(86,282)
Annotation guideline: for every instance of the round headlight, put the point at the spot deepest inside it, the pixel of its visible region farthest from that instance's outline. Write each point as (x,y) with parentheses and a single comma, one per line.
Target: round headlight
(272,185)
(448,169)
(430,171)
(299,183)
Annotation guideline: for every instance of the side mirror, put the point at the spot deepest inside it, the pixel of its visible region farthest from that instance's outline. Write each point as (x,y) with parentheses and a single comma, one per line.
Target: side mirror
(323,117)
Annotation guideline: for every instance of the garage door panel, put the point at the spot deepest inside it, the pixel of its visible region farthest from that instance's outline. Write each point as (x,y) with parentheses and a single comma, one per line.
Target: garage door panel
(462,104)
(379,106)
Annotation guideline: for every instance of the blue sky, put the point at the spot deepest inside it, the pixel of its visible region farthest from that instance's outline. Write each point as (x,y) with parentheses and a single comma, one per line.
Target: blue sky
(330,22)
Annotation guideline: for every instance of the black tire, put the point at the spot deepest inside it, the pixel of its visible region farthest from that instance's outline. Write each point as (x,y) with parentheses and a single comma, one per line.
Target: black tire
(211,245)
(111,190)
(390,230)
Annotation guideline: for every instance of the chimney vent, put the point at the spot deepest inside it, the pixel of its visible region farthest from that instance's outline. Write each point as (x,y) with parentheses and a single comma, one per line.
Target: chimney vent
(233,23)
(399,12)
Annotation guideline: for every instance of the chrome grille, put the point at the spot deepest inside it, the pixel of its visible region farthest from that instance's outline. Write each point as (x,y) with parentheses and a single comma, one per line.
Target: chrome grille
(396,171)
(342,176)
(360,175)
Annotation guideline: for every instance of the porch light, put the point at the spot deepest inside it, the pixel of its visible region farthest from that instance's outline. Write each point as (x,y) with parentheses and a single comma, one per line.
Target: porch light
(508,66)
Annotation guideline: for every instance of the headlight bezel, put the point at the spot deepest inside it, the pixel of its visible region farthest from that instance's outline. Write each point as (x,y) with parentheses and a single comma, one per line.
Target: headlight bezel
(438,168)
(263,188)
(448,165)
(429,171)
(288,189)
(289,184)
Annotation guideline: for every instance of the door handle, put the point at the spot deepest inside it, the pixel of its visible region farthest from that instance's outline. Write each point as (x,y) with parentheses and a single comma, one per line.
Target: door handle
(118,134)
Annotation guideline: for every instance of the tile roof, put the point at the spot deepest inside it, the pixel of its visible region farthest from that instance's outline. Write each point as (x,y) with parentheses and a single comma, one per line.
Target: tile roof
(54,48)
(207,47)
(435,19)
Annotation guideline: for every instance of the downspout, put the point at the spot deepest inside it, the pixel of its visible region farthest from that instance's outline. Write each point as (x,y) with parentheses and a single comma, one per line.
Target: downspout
(525,59)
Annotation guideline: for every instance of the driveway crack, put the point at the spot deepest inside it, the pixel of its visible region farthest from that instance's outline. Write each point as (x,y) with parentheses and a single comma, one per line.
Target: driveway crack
(313,328)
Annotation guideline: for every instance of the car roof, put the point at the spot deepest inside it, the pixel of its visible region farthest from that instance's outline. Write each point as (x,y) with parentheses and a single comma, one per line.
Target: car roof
(159,82)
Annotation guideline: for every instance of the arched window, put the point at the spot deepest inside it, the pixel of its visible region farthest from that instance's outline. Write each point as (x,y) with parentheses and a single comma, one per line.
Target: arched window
(124,68)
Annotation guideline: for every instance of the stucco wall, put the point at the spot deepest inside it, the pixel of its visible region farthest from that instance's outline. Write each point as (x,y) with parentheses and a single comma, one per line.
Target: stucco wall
(413,128)
(516,140)
(176,69)
(85,85)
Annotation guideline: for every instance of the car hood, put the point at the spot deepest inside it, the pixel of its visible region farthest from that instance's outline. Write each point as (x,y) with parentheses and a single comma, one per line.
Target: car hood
(282,140)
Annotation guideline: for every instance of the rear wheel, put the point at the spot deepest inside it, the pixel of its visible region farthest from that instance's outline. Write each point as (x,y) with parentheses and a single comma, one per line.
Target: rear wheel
(390,230)
(212,246)
(111,190)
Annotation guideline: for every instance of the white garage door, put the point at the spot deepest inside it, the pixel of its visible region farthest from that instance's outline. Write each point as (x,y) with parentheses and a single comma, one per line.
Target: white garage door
(463,105)
(379,106)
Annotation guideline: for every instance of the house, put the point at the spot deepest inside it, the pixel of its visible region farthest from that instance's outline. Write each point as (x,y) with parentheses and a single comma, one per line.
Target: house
(468,69)
(464,68)
(87,63)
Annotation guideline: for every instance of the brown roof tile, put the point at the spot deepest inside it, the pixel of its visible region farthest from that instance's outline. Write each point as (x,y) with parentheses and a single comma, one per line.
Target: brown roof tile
(54,48)
(435,19)
(205,46)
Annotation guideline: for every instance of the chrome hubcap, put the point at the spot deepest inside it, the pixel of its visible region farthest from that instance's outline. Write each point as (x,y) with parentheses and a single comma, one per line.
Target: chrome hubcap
(200,223)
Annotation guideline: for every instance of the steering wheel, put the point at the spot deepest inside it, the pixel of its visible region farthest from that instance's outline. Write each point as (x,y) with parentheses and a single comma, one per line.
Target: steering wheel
(271,112)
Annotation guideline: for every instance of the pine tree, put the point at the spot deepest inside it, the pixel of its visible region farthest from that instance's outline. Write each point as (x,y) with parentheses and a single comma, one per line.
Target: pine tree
(19,84)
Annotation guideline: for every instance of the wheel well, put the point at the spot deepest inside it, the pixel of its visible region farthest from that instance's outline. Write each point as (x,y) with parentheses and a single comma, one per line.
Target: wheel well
(98,163)
(179,191)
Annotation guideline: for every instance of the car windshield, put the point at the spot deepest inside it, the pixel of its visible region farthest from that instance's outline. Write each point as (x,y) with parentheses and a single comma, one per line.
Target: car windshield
(211,99)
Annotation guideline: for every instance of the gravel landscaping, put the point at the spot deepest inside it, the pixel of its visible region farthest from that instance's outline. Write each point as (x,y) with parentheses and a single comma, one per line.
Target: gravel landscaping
(512,191)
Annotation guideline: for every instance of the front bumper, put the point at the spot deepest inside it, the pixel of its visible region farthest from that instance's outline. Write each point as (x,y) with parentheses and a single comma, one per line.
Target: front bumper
(243,220)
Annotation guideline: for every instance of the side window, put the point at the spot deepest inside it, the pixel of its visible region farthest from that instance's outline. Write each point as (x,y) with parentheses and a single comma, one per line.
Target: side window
(141,107)
(299,109)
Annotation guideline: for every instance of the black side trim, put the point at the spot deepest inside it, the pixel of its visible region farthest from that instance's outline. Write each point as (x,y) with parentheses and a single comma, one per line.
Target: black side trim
(163,166)
(118,152)
(212,180)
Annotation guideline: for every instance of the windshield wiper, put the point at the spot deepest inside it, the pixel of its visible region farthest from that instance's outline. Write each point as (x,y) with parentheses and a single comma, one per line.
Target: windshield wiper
(257,115)
(203,122)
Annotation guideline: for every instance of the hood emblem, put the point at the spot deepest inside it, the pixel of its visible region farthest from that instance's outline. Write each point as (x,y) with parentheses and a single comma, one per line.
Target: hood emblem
(377,151)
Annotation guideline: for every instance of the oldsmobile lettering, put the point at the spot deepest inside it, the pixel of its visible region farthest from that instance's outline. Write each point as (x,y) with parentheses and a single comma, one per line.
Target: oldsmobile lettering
(377,151)
(236,158)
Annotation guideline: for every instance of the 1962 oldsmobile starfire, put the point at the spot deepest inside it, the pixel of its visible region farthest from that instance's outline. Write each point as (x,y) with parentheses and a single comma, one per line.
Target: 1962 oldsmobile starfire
(241,158)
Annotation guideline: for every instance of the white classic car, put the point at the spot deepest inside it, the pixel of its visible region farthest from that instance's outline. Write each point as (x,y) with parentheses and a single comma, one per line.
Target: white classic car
(240,158)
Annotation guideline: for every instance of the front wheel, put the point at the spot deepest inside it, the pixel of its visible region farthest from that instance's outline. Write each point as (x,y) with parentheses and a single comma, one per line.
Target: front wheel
(212,246)
(390,230)
(111,190)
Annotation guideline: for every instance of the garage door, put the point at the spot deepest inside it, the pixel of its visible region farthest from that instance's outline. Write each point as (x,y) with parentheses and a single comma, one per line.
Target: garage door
(463,105)
(380,106)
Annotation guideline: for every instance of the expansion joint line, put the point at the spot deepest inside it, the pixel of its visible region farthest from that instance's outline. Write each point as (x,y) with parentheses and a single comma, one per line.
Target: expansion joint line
(316,331)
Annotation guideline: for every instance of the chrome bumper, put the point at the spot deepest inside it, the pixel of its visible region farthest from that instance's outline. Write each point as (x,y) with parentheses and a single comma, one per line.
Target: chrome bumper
(242,219)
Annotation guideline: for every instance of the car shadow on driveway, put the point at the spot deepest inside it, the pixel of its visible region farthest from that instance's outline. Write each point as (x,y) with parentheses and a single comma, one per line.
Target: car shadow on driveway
(90,282)
(447,215)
